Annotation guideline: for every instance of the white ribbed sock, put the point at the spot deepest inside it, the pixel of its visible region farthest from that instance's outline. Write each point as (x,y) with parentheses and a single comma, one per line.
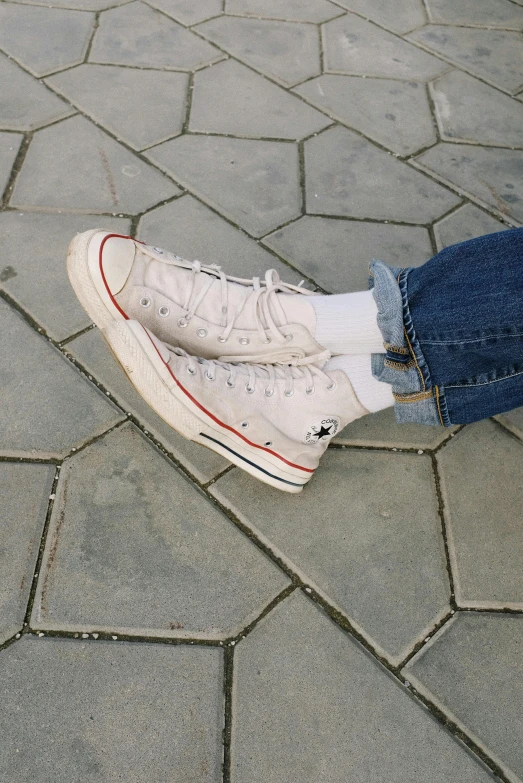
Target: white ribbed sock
(346,323)
(373,395)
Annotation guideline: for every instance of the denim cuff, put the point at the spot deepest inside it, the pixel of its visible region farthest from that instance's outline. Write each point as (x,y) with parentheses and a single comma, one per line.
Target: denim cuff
(403,366)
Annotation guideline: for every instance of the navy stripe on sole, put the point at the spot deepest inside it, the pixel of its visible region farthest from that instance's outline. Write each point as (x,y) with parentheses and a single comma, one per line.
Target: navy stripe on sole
(254,465)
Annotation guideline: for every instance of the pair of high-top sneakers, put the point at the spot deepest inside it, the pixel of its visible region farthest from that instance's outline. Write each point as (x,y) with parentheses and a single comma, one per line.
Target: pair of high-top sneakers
(229,363)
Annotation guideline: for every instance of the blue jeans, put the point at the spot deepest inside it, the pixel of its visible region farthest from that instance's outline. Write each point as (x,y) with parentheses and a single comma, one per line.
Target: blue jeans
(453,331)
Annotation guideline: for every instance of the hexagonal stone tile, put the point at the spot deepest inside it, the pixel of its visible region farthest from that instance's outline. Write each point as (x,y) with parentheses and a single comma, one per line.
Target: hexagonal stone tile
(254,183)
(513,421)
(393,113)
(74,710)
(473,670)
(74,166)
(24,497)
(494,55)
(468,110)
(372,552)
(80,5)
(9,146)
(47,407)
(288,52)
(124,100)
(290,10)
(354,46)
(194,231)
(92,352)
(230,98)
(135,34)
(305,690)
(337,253)
(347,175)
(492,175)
(67,34)
(34,248)
(187,11)
(134,546)
(26,104)
(400,16)
(481,484)
(467,222)
(380,429)
(490,13)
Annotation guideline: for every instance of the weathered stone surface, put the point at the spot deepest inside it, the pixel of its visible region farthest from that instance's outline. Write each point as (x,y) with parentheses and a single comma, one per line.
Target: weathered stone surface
(140,107)
(468,110)
(347,175)
(193,231)
(25,104)
(9,146)
(494,55)
(254,183)
(495,176)
(482,488)
(78,5)
(371,543)
(133,546)
(467,222)
(34,248)
(135,34)
(306,691)
(400,16)
(230,98)
(286,51)
(355,46)
(337,253)
(490,13)
(67,34)
(473,668)
(513,421)
(78,710)
(24,497)
(74,166)
(380,429)
(187,11)
(47,407)
(92,352)
(290,10)
(395,114)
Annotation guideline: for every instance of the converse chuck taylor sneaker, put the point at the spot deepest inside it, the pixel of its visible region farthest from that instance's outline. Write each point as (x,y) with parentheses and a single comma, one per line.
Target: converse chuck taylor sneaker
(211,314)
(274,421)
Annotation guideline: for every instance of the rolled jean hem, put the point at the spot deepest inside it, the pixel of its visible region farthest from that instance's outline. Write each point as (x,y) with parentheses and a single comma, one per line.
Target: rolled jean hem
(403,366)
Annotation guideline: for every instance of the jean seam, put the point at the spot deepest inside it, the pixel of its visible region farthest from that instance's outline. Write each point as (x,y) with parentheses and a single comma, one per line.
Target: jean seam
(482,383)
(409,331)
(475,340)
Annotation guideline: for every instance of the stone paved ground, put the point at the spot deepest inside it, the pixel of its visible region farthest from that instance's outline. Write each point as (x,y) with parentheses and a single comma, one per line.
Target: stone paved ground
(164,617)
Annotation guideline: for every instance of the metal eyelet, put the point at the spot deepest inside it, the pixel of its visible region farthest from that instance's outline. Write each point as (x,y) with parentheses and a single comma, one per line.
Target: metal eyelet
(249,389)
(289,337)
(244,424)
(309,391)
(268,443)
(229,384)
(209,377)
(163,311)
(145,301)
(288,392)
(201,332)
(182,323)
(332,386)
(222,339)
(244,341)
(191,370)
(158,250)
(269,392)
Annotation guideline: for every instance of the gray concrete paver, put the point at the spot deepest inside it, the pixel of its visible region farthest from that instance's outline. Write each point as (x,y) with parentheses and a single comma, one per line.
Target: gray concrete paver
(141,107)
(67,34)
(480,473)
(514,421)
(34,246)
(110,711)
(182,569)
(488,13)
(396,114)
(474,670)
(76,5)
(47,407)
(188,12)
(347,175)
(467,222)
(290,10)
(311,705)
(24,498)
(74,166)
(381,429)
(368,538)
(400,16)
(9,146)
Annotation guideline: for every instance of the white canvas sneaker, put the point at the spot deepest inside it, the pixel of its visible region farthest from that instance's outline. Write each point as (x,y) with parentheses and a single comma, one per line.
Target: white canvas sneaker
(185,303)
(274,421)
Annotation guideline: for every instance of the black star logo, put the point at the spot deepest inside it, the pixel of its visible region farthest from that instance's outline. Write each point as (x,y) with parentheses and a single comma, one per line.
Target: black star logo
(322,432)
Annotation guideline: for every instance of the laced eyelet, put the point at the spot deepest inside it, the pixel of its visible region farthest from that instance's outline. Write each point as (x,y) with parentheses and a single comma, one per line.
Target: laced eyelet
(230,384)
(269,392)
(244,425)
(332,386)
(266,341)
(310,391)
(158,250)
(268,443)
(163,311)
(182,323)
(201,332)
(222,339)
(289,337)
(288,392)
(209,377)
(244,341)
(249,389)
(145,301)
(191,370)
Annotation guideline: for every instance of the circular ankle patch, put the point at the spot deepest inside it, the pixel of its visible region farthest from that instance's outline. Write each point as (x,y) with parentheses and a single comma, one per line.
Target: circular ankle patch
(322,430)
